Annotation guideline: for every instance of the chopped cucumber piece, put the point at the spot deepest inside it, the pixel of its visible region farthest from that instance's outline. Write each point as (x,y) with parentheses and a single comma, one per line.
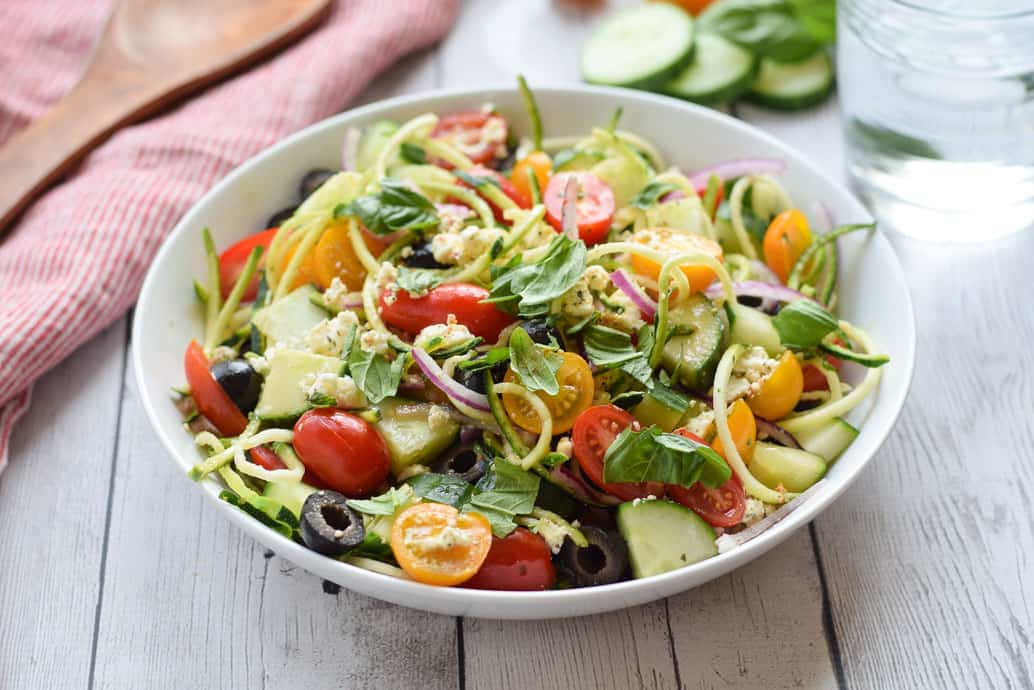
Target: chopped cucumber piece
(829,440)
(289,318)
(794,469)
(290,495)
(639,47)
(753,327)
(372,142)
(693,357)
(410,437)
(793,85)
(653,411)
(663,536)
(720,71)
(283,397)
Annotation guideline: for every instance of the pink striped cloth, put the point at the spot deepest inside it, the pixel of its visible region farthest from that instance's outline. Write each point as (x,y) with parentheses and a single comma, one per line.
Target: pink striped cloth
(76,259)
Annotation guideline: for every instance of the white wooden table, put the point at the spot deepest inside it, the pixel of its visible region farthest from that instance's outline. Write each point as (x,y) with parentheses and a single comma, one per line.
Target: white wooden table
(115,573)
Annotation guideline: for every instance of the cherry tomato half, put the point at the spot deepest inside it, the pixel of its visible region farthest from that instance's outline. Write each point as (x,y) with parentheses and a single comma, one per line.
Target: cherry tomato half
(507,187)
(520,561)
(720,507)
(595,204)
(264,457)
(574,396)
(480,136)
(438,545)
(334,257)
(231,263)
(462,300)
(540,164)
(786,239)
(743,429)
(781,391)
(670,243)
(594,431)
(344,451)
(813,379)
(211,399)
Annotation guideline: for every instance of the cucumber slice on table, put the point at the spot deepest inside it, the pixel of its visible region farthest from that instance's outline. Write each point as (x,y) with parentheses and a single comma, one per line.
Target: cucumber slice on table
(793,85)
(794,469)
(828,440)
(663,536)
(720,71)
(640,47)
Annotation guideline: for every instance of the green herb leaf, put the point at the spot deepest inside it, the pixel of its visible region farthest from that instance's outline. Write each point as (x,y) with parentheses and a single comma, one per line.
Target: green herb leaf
(385,504)
(375,376)
(651,455)
(669,397)
(608,348)
(768,28)
(532,286)
(491,358)
(411,153)
(441,488)
(651,194)
(476,180)
(395,207)
(535,366)
(418,281)
(803,324)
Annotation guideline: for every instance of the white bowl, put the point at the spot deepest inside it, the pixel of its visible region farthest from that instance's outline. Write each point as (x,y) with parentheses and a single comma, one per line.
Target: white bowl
(873,294)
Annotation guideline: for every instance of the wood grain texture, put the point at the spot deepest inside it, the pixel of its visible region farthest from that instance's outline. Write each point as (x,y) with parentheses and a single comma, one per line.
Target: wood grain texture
(53,499)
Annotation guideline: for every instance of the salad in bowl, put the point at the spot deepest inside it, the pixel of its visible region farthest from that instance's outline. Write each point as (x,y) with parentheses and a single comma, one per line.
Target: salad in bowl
(477,360)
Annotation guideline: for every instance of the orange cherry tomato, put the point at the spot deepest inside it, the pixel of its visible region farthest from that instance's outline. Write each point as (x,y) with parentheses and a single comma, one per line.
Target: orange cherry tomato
(787,237)
(335,257)
(742,428)
(575,396)
(780,391)
(438,545)
(540,164)
(671,242)
(211,400)
(232,261)
(306,272)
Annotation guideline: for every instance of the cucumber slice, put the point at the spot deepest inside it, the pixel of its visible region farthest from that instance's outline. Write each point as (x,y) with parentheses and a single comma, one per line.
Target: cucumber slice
(290,495)
(654,411)
(752,327)
(829,440)
(410,438)
(640,47)
(283,398)
(290,318)
(663,536)
(694,357)
(793,85)
(720,71)
(795,469)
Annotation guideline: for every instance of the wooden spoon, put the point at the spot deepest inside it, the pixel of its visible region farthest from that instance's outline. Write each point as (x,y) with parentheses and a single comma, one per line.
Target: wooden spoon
(152,54)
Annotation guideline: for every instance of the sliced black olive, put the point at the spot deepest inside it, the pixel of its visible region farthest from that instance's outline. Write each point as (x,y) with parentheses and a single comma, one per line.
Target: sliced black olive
(278,218)
(328,525)
(602,562)
(240,381)
(541,332)
(312,180)
(475,380)
(422,257)
(463,461)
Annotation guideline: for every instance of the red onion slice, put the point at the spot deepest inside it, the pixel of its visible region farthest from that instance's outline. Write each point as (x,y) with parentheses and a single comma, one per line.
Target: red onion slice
(447,385)
(350,149)
(727,542)
(458,210)
(767,429)
(673,195)
(569,211)
(739,167)
(755,288)
(646,306)
(569,478)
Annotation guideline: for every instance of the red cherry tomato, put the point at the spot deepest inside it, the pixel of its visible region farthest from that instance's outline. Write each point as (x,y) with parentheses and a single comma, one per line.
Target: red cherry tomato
(211,399)
(720,507)
(595,204)
(594,431)
(462,300)
(344,451)
(521,561)
(814,380)
(266,458)
(505,185)
(480,136)
(231,263)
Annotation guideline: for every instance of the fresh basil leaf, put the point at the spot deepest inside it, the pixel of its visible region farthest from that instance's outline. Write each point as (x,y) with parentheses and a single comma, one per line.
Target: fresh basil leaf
(803,324)
(508,488)
(411,153)
(532,286)
(768,28)
(441,488)
(583,324)
(491,358)
(608,348)
(322,400)
(651,455)
(535,366)
(374,547)
(628,399)
(669,397)
(375,376)
(651,194)
(385,504)
(476,180)
(395,207)
(418,281)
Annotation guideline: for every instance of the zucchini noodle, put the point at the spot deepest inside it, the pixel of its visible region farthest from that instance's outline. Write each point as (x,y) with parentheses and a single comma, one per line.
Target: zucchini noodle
(600,251)
(460,161)
(373,317)
(644,145)
(541,448)
(244,442)
(466,196)
(478,266)
(309,240)
(449,365)
(836,389)
(736,216)
(721,422)
(676,178)
(226,315)
(413,128)
(376,566)
(366,258)
(822,414)
(214,289)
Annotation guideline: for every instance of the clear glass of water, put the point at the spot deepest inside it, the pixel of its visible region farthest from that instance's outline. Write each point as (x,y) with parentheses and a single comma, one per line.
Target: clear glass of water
(938,113)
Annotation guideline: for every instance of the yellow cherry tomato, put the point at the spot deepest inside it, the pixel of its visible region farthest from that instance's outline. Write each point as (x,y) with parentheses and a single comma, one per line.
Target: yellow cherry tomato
(575,396)
(334,257)
(438,545)
(670,243)
(304,274)
(742,428)
(541,164)
(781,391)
(787,237)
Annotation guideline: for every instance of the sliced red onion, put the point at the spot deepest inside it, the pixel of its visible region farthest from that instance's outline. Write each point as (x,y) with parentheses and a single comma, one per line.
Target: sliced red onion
(727,542)
(673,195)
(447,385)
(458,210)
(755,288)
(350,150)
(739,167)
(647,307)
(570,479)
(569,211)
(767,429)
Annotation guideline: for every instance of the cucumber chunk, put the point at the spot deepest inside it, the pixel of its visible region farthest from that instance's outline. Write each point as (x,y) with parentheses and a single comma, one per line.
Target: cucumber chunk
(693,357)
(794,469)
(829,440)
(663,536)
(793,85)
(720,71)
(651,410)
(640,47)
(290,318)
(283,398)
(753,327)
(290,495)
(410,438)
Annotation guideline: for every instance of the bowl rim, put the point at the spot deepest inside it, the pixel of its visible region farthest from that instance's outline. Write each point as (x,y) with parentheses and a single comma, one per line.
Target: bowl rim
(458,598)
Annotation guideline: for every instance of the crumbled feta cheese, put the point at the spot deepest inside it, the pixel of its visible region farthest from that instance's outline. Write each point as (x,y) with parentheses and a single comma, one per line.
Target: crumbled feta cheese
(552,533)
(428,539)
(702,424)
(406,252)
(577,303)
(222,354)
(438,418)
(386,277)
(625,317)
(565,447)
(464,246)
(443,336)
(597,278)
(259,363)
(328,336)
(376,342)
(341,388)
(450,218)
(539,235)
(337,295)
(749,372)
(637,501)
(755,511)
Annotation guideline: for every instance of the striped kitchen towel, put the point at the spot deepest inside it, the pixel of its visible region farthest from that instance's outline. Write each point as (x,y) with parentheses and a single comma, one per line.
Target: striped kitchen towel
(75,261)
